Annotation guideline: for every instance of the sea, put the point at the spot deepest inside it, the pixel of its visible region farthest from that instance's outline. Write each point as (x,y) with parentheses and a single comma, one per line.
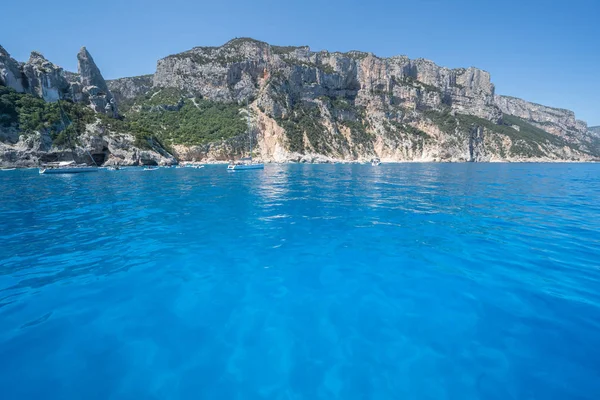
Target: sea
(402,281)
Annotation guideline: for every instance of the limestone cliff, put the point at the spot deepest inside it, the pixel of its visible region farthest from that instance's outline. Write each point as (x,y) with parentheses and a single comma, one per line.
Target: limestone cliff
(37,76)
(93,87)
(41,78)
(557,121)
(97,145)
(316,106)
(245,68)
(11,73)
(36,127)
(45,79)
(124,89)
(350,106)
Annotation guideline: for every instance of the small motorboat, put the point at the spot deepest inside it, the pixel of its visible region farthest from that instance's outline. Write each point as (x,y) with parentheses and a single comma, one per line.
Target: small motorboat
(7,169)
(66,167)
(150,168)
(375,162)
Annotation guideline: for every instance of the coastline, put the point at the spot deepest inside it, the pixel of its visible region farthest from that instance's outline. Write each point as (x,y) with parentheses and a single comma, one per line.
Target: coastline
(334,162)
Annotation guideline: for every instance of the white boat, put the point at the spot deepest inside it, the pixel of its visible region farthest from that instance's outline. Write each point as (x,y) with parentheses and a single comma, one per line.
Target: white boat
(375,162)
(7,169)
(150,168)
(66,167)
(246,162)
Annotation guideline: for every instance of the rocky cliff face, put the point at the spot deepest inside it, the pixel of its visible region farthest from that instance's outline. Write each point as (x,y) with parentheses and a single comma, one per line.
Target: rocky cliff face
(322,106)
(10,72)
(32,131)
(37,76)
(41,78)
(244,68)
(124,89)
(97,145)
(93,88)
(350,106)
(557,121)
(44,79)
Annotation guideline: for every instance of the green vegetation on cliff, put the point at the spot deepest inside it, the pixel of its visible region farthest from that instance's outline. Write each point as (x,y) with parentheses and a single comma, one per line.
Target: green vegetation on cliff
(64,121)
(445,121)
(175,119)
(527,140)
(304,120)
(409,129)
(284,50)
(346,113)
(305,130)
(157,97)
(411,81)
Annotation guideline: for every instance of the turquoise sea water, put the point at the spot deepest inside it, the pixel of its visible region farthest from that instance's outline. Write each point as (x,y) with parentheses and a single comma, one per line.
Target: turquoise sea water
(410,281)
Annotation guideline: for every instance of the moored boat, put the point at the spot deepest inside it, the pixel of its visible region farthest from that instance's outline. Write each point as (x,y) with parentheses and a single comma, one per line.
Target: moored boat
(375,162)
(66,167)
(244,163)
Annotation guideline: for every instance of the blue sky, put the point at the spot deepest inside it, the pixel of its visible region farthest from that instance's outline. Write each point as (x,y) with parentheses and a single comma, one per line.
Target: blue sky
(543,51)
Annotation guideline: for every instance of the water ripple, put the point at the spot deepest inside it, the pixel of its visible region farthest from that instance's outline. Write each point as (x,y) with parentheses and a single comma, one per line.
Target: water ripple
(332,281)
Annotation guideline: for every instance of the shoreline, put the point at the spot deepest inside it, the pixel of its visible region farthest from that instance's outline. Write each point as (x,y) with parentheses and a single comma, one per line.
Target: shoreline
(190,163)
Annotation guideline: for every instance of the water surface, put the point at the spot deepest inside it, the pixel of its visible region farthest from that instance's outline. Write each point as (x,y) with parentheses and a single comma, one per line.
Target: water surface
(410,281)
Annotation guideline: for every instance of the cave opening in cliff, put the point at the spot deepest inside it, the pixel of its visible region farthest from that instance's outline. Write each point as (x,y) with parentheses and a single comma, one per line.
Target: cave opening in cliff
(99,158)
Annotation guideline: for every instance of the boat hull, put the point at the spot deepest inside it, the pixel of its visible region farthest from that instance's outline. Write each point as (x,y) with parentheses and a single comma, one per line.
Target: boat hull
(245,166)
(45,171)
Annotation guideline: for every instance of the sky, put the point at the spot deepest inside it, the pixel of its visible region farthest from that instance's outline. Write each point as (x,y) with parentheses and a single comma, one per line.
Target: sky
(546,52)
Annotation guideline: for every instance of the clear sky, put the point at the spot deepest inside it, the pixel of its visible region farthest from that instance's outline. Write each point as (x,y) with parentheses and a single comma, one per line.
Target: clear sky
(545,51)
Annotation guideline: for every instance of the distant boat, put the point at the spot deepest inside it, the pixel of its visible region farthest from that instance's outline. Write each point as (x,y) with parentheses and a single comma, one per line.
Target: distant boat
(246,162)
(150,168)
(66,167)
(115,168)
(375,162)
(7,169)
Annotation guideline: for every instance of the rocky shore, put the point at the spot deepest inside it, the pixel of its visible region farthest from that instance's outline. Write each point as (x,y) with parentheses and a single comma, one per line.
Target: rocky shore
(303,106)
